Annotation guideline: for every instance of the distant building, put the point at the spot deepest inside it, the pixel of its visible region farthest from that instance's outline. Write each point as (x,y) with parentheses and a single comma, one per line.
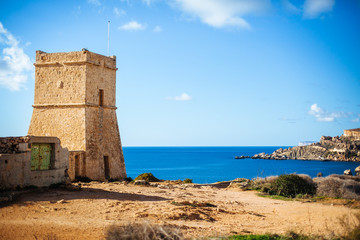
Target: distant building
(355,133)
(75,98)
(306,143)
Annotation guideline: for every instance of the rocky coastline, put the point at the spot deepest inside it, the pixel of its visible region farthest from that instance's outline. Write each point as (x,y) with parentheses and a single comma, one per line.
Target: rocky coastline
(339,148)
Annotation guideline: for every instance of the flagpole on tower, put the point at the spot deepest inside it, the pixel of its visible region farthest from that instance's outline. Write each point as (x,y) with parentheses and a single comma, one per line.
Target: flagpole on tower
(108,39)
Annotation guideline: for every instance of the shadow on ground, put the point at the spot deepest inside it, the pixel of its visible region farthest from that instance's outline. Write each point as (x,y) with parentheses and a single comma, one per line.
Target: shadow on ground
(53,195)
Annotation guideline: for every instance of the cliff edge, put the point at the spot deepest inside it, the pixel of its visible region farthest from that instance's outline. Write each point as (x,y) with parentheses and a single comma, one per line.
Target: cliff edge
(343,148)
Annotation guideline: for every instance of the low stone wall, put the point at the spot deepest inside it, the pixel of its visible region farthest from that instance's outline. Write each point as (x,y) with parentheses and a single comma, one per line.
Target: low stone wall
(15,168)
(13,144)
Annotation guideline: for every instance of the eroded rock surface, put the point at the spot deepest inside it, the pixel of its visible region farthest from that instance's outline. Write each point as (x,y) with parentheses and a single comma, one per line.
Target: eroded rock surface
(343,148)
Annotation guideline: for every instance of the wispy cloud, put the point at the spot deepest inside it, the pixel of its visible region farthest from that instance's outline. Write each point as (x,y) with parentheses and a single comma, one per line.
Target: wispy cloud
(291,8)
(225,13)
(314,8)
(181,97)
(289,120)
(356,119)
(119,12)
(77,11)
(14,63)
(157,29)
(147,2)
(94,2)
(133,26)
(322,115)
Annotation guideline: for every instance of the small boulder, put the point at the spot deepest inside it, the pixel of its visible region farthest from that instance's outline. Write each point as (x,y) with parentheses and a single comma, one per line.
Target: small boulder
(141,182)
(319,174)
(348,172)
(357,171)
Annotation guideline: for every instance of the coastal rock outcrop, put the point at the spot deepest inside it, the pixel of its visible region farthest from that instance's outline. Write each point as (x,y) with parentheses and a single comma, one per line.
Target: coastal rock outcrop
(339,148)
(357,171)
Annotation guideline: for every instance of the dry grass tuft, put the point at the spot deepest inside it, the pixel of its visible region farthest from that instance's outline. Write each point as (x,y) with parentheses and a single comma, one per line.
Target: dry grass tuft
(143,231)
(338,186)
(351,227)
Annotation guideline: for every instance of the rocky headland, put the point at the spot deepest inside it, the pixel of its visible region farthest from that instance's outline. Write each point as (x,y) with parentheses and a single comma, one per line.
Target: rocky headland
(340,148)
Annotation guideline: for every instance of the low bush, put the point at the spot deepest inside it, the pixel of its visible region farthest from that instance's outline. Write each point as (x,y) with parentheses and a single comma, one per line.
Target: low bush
(290,236)
(261,184)
(338,186)
(291,185)
(148,177)
(187,180)
(143,231)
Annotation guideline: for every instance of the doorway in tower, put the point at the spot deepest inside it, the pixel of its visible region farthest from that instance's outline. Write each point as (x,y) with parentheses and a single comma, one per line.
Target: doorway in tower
(106,167)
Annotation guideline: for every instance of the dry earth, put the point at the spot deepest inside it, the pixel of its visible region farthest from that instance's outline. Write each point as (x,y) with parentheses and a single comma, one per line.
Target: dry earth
(197,210)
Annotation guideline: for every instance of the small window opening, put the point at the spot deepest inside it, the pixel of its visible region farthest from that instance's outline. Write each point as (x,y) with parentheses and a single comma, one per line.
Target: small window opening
(101,97)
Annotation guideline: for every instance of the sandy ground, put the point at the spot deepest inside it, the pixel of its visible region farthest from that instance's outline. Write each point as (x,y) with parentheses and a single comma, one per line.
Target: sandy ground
(196,210)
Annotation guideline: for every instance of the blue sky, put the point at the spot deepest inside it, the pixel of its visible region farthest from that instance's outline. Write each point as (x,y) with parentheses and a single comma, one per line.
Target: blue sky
(198,72)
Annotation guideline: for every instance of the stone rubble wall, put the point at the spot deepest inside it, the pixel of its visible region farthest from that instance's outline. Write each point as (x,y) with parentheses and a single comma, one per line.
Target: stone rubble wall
(13,144)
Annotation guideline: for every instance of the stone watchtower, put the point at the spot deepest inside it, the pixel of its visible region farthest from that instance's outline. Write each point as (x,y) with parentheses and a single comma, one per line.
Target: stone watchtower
(75,101)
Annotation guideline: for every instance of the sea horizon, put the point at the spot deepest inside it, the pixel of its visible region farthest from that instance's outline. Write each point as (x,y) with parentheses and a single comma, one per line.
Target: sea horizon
(213,164)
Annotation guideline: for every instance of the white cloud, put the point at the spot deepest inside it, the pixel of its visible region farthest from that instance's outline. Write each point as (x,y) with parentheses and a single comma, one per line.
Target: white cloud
(94,2)
(157,29)
(314,8)
(147,2)
(225,13)
(356,119)
(132,26)
(14,63)
(182,97)
(119,12)
(322,115)
(291,8)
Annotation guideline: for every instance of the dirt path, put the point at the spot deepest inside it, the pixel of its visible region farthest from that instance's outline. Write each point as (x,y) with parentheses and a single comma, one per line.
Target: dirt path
(201,211)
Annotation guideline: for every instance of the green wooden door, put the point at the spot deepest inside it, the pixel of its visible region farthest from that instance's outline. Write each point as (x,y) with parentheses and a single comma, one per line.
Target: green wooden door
(40,156)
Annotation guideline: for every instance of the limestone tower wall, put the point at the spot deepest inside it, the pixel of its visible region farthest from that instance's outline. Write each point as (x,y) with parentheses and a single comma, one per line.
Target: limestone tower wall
(75,100)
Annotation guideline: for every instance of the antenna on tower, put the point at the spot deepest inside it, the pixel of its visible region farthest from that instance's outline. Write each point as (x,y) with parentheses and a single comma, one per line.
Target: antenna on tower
(108,39)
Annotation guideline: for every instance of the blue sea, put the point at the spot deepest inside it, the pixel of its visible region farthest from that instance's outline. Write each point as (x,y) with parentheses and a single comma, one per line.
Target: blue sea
(214,164)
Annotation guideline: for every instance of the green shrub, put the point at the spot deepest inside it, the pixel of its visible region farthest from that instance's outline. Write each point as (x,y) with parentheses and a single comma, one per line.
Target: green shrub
(148,177)
(187,180)
(290,186)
